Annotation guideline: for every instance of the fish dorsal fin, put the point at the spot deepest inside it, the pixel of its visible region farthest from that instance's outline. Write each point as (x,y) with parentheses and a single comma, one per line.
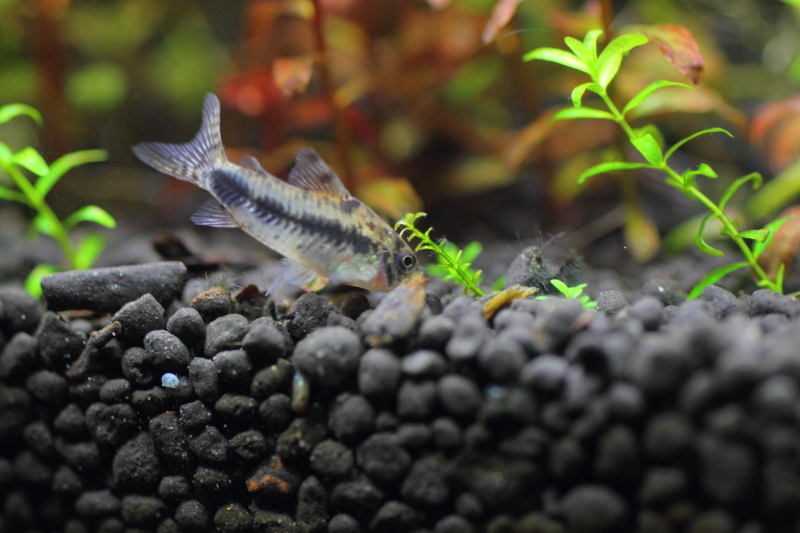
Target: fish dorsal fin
(312,173)
(211,213)
(251,163)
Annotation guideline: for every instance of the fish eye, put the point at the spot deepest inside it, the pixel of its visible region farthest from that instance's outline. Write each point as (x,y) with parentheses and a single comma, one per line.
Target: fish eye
(406,262)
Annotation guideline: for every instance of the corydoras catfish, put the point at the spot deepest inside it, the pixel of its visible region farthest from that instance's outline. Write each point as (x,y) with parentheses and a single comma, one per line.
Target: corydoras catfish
(323,232)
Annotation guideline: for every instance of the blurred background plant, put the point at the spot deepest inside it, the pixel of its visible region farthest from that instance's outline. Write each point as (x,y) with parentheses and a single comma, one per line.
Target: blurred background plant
(415,103)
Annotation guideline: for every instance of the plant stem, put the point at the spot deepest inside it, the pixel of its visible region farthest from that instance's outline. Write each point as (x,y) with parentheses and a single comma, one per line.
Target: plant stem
(36,201)
(463,275)
(751,259)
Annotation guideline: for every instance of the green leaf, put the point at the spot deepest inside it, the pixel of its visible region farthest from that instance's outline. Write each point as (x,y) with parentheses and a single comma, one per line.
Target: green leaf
(779,278)
(609,60)
(692,136)
(777,192)
(702,170)
(8,194)
(582,112)
(45,225)
(577,92)
(609,167)
(10,111)
(713,277)
(701,244)
(609,70)
(586,55)
(754,176)
(499,283)
(66,162)
(33,283)
(650,89)
(681,236)
(6,155)
(759,235)
(471,251)
(772,228)
(30,159)
(649,148)
(90,213)
(562,57)
(89,249)
(590,41)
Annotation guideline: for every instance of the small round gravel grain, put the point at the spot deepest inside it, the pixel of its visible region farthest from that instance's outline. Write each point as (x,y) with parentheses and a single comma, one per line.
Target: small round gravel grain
(328,355)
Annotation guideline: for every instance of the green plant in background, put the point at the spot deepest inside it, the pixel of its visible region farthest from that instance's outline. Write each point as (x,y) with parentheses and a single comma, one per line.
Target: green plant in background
(575,292)
(33,193)
(602,69)
(454,264)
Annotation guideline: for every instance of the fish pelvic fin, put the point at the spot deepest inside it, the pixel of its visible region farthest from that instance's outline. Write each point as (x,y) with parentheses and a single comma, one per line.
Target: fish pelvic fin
(192,161)
(296,273)
(211,213)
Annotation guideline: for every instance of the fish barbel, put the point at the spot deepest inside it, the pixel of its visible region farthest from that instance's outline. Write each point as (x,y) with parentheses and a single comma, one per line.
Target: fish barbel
(323,232)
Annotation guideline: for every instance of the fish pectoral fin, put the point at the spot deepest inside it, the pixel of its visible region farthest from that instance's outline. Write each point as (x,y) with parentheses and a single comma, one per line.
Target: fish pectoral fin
(299,274)
(349,273)
(251,163)
(211,213)
(312,173)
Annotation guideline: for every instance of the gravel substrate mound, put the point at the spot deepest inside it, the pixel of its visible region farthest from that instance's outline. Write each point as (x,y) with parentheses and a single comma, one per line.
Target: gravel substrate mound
(655,415)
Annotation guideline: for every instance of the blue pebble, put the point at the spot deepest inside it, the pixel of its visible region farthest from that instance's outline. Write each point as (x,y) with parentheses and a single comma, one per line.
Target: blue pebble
(169,381)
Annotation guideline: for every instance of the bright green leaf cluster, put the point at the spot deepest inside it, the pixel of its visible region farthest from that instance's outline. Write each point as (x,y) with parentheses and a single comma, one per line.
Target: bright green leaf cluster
(454,264)
(649,143)
(575,292)
(33,193)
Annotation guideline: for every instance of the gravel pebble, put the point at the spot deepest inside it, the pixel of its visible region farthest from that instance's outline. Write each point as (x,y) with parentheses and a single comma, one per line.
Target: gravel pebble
(187,324)
(19,311)
(351,418)
(310,313)
(138,318)
(59,345)
(167,352)
(212,304)
(328,355)
(224,333)
(106,290)
(594,509)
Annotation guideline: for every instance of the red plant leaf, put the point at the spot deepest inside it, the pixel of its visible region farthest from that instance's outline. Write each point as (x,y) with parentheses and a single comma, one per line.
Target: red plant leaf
(501,14)
(292,74)
(678,46)
(776,127)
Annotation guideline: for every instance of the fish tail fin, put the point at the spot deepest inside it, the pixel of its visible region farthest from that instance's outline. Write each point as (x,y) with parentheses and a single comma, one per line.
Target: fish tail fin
(192,161)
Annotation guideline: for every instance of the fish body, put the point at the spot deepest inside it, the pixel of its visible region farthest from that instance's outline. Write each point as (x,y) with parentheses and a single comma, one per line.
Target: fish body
(323,232)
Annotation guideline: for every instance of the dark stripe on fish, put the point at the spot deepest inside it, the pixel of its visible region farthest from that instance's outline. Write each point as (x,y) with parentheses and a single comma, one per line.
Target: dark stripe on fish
(234,192)
(229,188)
(389,268)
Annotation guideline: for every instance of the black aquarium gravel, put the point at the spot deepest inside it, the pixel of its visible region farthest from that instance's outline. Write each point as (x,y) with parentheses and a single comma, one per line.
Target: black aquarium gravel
(651,414)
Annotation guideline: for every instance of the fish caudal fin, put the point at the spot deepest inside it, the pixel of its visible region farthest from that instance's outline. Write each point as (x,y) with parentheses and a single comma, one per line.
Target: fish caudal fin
(194,160)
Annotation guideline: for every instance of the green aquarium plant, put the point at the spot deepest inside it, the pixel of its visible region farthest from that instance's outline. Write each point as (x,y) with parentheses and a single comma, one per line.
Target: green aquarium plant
(575,293)
(32,192)
(602,69)
(453,264)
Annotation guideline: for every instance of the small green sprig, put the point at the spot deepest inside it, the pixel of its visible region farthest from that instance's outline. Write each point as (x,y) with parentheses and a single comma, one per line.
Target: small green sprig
(602,69)
(454,264)
(575,292)
(33,193)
